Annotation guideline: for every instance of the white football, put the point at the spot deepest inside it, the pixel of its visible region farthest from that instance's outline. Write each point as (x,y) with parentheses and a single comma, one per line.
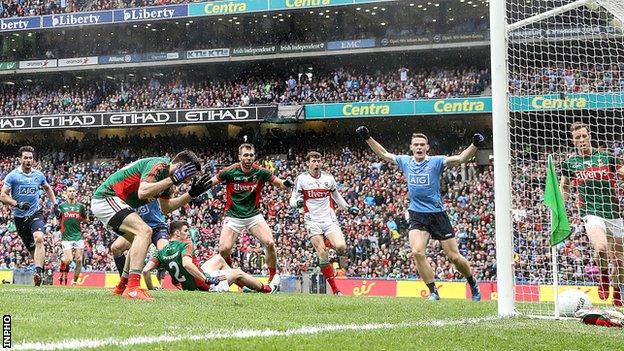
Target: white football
(571,301)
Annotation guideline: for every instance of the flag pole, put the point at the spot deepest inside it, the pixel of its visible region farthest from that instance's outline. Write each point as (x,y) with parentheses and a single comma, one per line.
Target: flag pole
(555,274)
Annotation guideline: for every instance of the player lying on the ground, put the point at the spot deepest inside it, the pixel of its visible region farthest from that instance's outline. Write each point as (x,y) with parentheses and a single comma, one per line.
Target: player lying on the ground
(215,275)
(427,217)
(316,192)
(593,174)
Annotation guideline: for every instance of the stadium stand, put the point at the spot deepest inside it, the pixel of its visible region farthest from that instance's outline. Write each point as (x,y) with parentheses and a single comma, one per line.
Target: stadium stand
(187,90)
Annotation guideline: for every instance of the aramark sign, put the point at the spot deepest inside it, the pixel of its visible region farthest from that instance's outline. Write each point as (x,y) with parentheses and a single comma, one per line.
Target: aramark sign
(139,119)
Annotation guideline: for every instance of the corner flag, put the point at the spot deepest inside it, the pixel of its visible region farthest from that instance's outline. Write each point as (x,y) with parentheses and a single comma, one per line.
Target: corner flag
(559,224)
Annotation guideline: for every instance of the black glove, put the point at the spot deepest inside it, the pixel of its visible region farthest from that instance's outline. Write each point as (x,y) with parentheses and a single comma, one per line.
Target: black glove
(24,206)
(354,211)
(214,280)
(478,140)
(288,183)
(299,203)
(200,185)
(363,133)
(184,172)
(56,211)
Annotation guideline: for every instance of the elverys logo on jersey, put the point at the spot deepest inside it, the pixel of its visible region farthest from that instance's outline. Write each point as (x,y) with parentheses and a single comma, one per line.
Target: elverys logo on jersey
(419,179)
(316,193)
(594,173)
(27,190)
(244,187)
(71,215)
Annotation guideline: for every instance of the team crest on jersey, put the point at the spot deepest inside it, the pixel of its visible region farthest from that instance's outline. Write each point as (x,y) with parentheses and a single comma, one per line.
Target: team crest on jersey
(419,179)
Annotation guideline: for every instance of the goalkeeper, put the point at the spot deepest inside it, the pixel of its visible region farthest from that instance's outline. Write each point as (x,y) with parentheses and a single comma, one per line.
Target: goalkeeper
(593,173)
(427,218)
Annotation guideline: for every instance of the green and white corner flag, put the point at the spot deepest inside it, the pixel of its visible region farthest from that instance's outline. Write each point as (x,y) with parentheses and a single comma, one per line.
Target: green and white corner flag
(559,224)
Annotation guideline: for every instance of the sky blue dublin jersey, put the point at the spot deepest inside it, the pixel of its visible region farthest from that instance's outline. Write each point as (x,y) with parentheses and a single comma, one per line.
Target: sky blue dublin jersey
(152,215)
(25,187)
(423,182)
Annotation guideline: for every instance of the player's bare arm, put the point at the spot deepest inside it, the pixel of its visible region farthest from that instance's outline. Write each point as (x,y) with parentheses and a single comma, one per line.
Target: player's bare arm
(379,150)
(147,274)
(5,196)
(187,263)
(198,187)
(149,190)
(477,141)
(564,187)
(283,184)
(50,193)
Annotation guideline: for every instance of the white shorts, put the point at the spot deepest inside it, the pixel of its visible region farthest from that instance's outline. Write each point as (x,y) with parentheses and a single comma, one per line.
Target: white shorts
(105,209)
(74,244)
(240,224)
(223,286)
(613,227)
(321,228)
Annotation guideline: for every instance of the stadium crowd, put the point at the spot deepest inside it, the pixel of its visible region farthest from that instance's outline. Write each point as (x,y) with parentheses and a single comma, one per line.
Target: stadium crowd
(586,77)
(376,238)
(185,91)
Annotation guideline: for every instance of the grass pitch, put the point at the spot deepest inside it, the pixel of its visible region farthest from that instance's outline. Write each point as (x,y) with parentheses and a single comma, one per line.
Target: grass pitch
(55,318)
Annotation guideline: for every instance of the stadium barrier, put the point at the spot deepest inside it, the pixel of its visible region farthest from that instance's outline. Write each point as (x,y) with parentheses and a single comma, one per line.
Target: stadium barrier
(349,286)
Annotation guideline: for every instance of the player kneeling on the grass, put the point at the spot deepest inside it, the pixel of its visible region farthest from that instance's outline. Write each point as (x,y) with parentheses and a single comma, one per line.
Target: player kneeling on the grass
(593,174)
(316,192)
(214,275)
(70,214)
(426,211)
(135,185)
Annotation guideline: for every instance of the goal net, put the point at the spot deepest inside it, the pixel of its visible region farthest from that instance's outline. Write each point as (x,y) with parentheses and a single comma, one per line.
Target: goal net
(565,64)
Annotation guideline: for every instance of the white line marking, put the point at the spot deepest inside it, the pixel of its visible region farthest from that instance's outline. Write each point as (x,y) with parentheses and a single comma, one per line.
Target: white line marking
(236,334)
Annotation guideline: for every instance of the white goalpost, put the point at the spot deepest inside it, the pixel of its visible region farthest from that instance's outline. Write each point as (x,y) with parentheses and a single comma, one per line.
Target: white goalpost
(554,63)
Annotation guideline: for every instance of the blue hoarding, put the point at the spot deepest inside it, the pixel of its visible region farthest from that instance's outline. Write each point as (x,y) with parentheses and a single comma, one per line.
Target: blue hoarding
(12,24)
(77,19)
(151,13)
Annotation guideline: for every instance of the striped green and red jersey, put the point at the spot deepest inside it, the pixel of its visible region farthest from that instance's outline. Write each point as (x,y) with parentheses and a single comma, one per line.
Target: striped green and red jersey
(243,189)
(594,177)
(170,259)
(71,215)
(125,182)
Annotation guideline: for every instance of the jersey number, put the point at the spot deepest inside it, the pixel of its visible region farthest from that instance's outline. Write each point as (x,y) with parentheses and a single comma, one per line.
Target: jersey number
(174,266)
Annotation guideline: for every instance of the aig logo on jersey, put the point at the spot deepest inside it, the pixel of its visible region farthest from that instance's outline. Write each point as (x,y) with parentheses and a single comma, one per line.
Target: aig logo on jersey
(27,190)
(419,179)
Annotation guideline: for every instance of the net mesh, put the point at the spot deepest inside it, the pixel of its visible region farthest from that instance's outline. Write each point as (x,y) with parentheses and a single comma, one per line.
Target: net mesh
(563,68)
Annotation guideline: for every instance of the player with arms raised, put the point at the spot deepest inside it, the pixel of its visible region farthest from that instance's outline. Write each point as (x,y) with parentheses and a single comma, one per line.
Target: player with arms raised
(593,173)
(71,214)
(316,192)
(22,190)
(427,217)
(214,275)
(244,183)
(135,185)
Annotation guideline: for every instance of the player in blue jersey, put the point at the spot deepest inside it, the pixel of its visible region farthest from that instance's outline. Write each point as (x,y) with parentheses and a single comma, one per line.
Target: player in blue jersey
(155,219)
(22,190)
(427,218)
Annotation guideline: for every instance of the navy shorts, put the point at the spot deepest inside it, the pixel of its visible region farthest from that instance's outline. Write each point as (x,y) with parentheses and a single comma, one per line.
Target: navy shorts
(159,233)
(26,226)
(437,224)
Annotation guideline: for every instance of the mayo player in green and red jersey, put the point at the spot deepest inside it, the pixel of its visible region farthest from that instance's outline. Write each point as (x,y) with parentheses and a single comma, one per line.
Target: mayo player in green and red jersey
(115,201)
(244,183)
(71,214)
(593,173)
(184,268)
